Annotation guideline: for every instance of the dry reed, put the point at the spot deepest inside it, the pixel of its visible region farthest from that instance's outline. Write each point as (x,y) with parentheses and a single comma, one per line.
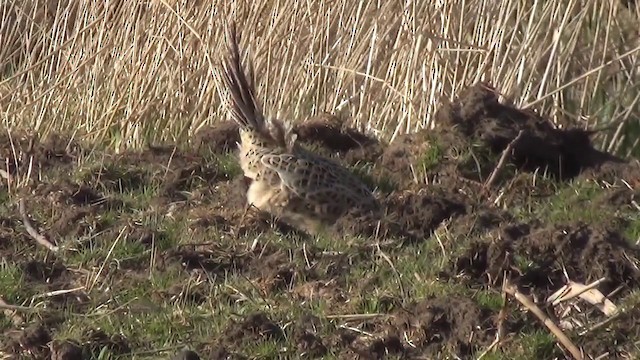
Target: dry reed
(125,73)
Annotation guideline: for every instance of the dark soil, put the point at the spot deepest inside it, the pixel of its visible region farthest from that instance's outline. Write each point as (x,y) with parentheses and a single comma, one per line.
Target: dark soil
(562,153)
(451,164)
(431,326)
(453,323)
(587,253)
(18,150)
(36,340)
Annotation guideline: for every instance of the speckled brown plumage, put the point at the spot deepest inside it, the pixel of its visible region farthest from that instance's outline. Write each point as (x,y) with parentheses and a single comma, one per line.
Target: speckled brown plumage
(287,181)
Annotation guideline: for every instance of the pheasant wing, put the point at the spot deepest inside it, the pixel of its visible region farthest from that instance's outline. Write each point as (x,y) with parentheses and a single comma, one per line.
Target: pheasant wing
(303,176)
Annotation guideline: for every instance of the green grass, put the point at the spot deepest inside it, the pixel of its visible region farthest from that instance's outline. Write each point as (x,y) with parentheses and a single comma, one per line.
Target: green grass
(632,229)
(491,300)
(572,201)
(10,283)
(431,157)
(379,183)
(138,291)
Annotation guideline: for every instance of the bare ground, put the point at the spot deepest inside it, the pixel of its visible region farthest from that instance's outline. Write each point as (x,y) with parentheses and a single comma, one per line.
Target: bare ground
(182,211)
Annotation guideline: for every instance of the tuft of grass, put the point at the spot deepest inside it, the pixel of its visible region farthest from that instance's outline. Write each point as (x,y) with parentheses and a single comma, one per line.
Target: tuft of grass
(431,157)
(477,161)
(570,202)
(538,345)
(379,182)
(489,300)
(228,164)
(11,283)
(632,229)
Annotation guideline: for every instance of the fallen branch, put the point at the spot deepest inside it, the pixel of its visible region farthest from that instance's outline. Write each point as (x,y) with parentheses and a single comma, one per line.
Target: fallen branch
(503,160)
(58,292)
(7,308)
(40,239)
(555,330)
(18,308)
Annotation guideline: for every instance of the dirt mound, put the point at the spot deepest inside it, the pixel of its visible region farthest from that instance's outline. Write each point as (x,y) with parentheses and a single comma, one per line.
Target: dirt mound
(562,153)
(411,215)
(172,170)
(186,354)
(474,130)
(425,328)
(330,132)
(454,323)
(36,340)
(423,156)
(33,339)
(18,151)
(309,343)
(52,275)
(269,267)
(622,173)
(218,138)
(537,257)
(254,327)
(65,350)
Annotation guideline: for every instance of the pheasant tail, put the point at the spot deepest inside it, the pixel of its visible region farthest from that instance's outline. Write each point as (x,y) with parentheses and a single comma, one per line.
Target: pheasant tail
(242,102)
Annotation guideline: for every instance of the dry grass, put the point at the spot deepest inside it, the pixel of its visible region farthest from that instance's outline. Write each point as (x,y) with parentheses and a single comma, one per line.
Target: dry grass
(130,72)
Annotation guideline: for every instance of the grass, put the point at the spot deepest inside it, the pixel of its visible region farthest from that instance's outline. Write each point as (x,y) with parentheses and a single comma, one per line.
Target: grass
(431,157)
(148,304)
(122,75)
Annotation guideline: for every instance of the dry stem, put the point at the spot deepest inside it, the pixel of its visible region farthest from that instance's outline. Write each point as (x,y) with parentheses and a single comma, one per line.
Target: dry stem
(555,330)
(503,159)
(389,75)
(40,239)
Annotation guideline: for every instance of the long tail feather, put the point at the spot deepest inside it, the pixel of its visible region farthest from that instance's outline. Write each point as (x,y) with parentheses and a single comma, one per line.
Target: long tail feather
(243,105)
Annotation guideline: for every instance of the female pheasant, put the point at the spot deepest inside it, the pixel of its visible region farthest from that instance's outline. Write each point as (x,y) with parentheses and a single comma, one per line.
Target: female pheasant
(289,182)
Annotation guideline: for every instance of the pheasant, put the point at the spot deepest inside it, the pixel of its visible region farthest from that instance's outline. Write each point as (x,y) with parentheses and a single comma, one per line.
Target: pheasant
(287,181)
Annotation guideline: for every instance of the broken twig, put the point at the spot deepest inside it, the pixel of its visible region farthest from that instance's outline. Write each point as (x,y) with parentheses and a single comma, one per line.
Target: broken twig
(502,161)
(555,330)
(40,239)
(356,317)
